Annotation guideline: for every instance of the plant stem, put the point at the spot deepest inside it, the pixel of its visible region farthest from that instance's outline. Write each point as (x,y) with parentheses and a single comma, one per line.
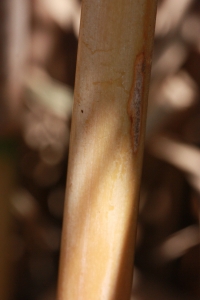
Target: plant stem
(106,149)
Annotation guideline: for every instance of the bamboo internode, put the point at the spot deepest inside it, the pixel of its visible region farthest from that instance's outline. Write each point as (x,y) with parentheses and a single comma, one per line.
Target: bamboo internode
(106,149)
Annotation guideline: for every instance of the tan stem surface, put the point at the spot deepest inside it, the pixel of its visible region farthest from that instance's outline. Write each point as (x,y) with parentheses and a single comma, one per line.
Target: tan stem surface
(106,149)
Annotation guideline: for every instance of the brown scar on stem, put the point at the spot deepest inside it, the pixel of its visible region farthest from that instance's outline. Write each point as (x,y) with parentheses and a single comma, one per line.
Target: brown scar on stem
(135,100)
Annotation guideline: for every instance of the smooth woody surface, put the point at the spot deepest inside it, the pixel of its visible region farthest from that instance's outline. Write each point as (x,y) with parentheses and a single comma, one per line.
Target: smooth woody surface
(106,149)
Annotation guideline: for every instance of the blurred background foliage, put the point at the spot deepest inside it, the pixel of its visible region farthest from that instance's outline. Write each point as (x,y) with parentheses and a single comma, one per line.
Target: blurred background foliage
(38,51)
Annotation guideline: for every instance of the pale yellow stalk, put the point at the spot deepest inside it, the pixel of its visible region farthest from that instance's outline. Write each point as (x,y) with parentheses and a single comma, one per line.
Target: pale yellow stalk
(106,149)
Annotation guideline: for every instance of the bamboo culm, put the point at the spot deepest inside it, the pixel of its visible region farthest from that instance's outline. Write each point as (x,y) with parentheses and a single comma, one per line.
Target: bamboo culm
(106,149)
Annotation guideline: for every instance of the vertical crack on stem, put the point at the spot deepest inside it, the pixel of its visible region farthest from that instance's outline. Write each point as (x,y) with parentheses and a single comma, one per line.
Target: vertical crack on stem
(135,101)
